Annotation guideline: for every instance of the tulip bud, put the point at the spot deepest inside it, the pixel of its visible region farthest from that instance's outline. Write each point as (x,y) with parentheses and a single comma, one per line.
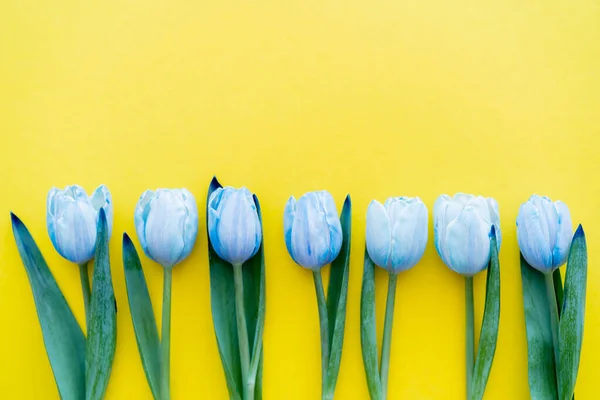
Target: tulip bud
(396,232)
(166,222)
(313,232)
(72,217)
(233,225)
(462,228)
(544,233)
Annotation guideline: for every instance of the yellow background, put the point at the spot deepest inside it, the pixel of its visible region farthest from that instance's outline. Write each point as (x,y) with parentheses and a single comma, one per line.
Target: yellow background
(371,98)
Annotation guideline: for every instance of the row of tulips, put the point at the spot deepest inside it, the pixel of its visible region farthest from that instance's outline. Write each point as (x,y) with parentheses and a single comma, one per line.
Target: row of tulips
(467,237)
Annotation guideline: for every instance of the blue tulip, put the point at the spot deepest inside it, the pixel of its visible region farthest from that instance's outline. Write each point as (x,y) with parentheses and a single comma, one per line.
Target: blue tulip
(544,233)
(462,229)
(72,217)
(313,232)
(397,232)
(166,221)
(233,225)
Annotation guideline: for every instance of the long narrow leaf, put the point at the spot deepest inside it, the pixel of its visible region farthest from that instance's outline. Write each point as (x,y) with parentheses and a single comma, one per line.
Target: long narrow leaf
(337,295)
(102,335)
(222,299)
(489,327)
(540,350)
(368,329)
(254,302)
(570,332)
(63,338)
(558,289)
(142,316)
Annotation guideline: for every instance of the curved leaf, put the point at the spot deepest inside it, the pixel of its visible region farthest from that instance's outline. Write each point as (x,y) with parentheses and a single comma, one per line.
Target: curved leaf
(540,349)
(337,295)
(570,331)
(489,327)
(63,338)
(102,335)
(368,329)
(222,299)
(142,315)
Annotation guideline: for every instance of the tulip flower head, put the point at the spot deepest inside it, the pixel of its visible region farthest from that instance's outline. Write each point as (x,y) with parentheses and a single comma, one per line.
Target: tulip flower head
(544,233)
(313,232)
(166,221)
(233,225)
(72,218)
(397,232)
(462,228)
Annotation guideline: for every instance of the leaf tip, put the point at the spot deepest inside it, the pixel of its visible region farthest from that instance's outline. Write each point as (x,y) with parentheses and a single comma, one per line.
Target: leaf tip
(14,219)
(214,183)
(579,232)
(126,240)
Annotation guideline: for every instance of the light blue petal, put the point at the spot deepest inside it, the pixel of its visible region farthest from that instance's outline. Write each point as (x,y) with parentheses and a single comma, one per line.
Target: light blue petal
(468,242)
(190,224)
(379,233)
(532,240)
(403,237)
(463,199)
(310,233)
(439,223)
(333,224)
(101,198)
(50,215)
(75,230)
(495,218)
(140,215)
(564,235)
(288,222)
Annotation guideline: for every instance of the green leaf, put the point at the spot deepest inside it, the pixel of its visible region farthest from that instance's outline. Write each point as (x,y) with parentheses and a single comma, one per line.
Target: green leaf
(540,350)
(337,294)
(570,329)
(254,303)
(489,327)
(222,299)
(142,315)
(368,329)
(558,289)
(102,335)
(63,338)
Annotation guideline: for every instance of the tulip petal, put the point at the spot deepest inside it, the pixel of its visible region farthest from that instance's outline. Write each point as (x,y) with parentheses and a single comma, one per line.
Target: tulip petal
(532,238)
(163,229)
(407,235)
(101,198)
(142,209)
(564,234)
(333,223)
(495,218)
(288,222)
(467,238)
(75,233)
(190,223)
(379,235)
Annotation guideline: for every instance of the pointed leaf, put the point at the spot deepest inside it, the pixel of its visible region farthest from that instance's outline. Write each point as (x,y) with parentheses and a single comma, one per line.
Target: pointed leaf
(337,294)
(489,327)
(368,329)
(142,315)
(63,338)
(254,303)
(558,289)
(222,298)
(570,331)
(102,335)
(540,350)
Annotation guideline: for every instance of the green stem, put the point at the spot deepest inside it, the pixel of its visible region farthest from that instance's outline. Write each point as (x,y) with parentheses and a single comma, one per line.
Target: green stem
(387,333)
(324,323)
(165,344)
(553,314)
(85,287)
(470,341)
(242,330)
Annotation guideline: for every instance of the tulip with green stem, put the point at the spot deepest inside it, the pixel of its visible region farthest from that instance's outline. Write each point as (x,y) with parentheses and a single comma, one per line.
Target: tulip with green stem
(396,240)
(166,222)
(236,259)
(467,238)
(555,333)
(315,236)
(79,228)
